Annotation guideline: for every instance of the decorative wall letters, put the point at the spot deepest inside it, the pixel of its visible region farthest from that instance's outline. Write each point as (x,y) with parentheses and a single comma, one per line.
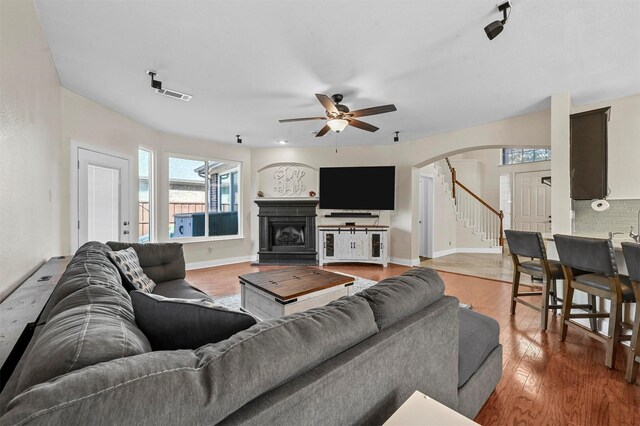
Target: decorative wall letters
(287,181)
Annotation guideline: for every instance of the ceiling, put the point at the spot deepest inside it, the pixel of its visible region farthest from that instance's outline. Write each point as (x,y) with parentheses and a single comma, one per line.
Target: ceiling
(249,63)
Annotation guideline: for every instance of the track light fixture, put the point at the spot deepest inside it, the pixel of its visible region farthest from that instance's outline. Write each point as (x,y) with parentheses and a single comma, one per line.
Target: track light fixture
(496,27)
(238,139)
(396,138)
(156,84)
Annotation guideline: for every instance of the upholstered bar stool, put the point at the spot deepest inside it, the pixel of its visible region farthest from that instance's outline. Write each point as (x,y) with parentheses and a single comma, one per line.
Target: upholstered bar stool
(631,253)
(530,244)
(597,257)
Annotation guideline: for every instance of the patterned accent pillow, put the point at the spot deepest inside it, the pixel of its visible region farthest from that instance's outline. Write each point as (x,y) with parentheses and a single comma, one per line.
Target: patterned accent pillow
(129,265)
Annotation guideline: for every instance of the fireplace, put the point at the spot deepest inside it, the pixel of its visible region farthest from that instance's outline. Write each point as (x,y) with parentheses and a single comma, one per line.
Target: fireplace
(287,231)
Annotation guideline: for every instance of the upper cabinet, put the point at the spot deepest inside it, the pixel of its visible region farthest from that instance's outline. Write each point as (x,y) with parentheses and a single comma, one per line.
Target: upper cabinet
(588,158)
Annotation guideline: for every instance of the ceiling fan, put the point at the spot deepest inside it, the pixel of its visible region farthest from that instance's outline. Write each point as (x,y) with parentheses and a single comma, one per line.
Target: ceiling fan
(339,117)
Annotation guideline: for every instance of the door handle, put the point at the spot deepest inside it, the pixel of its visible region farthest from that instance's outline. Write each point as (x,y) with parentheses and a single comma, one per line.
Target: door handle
(125,232)
(125,223)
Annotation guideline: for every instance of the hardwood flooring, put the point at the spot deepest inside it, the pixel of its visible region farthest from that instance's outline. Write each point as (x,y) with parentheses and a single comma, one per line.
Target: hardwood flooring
(545,381)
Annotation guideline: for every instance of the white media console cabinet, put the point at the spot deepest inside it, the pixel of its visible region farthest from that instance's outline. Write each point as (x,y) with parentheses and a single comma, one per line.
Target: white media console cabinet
(353,243)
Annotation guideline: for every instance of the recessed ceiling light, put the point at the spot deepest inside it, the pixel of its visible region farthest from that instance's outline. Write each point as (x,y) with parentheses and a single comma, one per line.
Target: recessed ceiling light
(282,142)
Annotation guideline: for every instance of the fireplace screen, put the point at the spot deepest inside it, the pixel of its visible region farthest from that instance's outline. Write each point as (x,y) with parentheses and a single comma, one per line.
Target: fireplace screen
(288,235)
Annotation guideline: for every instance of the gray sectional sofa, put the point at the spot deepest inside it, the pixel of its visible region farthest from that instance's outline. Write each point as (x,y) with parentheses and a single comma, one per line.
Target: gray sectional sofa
(354,361)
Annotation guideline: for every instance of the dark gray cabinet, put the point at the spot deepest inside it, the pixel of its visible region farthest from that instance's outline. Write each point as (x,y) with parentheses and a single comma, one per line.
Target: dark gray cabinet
(588,155)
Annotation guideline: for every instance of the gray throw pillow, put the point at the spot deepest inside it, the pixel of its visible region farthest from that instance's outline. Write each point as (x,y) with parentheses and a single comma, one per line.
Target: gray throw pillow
(171,324)
(128,264)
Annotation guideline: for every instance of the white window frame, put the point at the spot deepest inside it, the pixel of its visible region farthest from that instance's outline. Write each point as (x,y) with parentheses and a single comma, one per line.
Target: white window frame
(502,163)
(153,231)
(206,237)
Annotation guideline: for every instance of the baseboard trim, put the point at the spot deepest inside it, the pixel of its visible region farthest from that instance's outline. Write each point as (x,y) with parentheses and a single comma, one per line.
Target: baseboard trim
(220,262)
(441,253)
(483,250)
(405,262)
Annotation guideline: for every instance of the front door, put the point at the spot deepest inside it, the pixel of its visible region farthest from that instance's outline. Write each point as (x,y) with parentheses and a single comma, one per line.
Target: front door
(103,197)
(532,202)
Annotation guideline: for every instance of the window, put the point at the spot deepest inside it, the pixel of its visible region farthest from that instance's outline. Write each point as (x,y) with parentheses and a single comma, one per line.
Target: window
(524,155)
(145,197)
(203,198)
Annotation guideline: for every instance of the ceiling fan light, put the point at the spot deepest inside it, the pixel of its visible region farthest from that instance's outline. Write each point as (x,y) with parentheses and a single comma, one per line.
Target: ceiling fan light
(338,124)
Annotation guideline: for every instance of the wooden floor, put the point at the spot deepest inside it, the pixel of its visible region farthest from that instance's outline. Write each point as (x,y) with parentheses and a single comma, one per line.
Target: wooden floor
(545,382)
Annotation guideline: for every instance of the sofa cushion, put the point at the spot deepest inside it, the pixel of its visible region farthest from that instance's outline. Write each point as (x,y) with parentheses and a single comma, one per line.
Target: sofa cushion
(395,298)
(82,336)
(90,266)
(98,295)
(160,261)
(478,336)
(202,386)
(185,323)
(179,289)
(129,266)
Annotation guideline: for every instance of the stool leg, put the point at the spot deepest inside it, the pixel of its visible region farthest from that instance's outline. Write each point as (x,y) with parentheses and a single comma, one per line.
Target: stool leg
(567,302)
(594,309)
(544,309)
(554,287)
(614,332)
(632,366)
(514,290)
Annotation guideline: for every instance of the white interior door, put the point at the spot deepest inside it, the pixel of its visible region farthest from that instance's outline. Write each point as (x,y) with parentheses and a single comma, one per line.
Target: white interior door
(426,216)
(103,197)
(532,202)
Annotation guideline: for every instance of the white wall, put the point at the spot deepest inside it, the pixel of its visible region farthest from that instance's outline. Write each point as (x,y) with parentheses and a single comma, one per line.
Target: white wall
(444,219)
(86,122)
(30,170)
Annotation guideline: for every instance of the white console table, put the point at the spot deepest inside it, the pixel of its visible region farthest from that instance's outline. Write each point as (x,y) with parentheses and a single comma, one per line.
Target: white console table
(353,243)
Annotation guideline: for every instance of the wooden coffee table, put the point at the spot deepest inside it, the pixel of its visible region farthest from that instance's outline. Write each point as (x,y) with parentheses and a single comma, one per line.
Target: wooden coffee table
(279,292)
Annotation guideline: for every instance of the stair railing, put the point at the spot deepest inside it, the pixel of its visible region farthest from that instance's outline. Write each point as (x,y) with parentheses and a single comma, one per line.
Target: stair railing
(474,211)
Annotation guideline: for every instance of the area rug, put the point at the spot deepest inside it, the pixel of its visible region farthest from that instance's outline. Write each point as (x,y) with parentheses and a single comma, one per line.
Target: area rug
(233,301)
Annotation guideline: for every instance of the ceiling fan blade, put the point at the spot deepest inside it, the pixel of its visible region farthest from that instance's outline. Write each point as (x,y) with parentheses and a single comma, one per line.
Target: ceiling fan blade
(373,110)
(327,103)
(290,120)
(323,131)
(362,125)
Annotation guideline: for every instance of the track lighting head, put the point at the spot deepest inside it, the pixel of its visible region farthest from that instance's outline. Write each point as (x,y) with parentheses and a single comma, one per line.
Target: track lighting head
(156,84)
(238,139)
(396,138)
(496,27)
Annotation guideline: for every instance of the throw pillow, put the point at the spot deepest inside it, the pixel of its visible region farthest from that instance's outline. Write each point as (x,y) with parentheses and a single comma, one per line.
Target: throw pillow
(128,264)
(171,324)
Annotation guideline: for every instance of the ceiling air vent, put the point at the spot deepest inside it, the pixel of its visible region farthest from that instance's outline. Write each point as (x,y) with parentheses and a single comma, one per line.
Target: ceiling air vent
(174,94)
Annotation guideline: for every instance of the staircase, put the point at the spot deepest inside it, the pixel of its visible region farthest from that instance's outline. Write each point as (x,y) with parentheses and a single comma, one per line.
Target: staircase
(476,215)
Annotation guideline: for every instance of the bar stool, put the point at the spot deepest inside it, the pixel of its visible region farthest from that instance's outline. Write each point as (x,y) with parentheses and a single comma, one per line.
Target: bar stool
(631,253)
(530,244)
(597,257)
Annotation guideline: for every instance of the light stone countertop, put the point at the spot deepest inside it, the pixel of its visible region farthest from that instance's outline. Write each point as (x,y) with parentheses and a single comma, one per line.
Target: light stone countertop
(617,240)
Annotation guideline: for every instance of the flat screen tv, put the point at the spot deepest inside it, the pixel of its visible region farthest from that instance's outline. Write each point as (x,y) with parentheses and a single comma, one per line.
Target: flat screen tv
(357,188)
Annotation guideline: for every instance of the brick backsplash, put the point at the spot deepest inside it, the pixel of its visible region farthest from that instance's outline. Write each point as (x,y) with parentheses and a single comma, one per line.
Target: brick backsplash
(619,218)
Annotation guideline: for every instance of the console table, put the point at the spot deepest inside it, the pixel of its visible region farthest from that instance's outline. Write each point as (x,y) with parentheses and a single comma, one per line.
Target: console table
(353,243)
(20,311)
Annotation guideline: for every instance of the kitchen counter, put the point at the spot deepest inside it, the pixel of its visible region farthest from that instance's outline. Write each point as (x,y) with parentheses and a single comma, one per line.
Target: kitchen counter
(617,240)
